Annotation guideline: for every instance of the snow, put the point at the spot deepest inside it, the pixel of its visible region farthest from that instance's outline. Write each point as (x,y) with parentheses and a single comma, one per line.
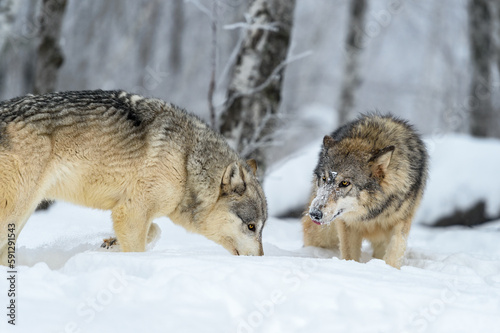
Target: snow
(463,171)
(450,280)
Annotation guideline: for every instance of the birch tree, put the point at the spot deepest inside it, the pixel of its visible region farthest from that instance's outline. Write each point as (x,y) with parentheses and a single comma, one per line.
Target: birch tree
(250,113)
(49,54)
(354,45)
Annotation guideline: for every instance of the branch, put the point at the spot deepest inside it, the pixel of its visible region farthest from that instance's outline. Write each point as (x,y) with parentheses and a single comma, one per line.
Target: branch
(262,141)
(273,26)
(269,79)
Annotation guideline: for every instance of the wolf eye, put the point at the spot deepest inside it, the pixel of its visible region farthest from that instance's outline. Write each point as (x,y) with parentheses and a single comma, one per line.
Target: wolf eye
(324,178)
(251,227)
(344,183)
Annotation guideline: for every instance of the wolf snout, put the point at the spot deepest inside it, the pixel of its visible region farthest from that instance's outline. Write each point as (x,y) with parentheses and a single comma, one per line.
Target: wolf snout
(316,214)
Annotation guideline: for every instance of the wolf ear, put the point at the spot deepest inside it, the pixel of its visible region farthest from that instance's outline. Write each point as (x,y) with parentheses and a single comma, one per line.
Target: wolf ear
(380,161)
(253,165)
(232,180)
(328,142)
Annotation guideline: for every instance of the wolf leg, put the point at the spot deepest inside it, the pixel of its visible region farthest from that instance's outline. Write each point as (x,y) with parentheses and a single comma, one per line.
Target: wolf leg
(324,236)
(350,241)
(14,214)
(397,245)
(19,197)
(131,226)
(380,243)
(379,249)
(153,235)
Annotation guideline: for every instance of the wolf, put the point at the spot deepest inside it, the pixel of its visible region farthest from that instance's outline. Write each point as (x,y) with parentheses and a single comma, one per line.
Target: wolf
(367,184)
(139,157)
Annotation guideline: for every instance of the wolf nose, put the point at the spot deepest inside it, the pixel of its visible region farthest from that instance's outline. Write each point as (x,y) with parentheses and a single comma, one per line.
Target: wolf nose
(316,214)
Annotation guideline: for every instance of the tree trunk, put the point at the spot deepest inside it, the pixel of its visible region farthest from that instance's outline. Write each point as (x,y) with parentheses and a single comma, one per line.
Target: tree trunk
(354,45)
(254,94)
(6,20)
(483,121)
(177,29)
(49,54)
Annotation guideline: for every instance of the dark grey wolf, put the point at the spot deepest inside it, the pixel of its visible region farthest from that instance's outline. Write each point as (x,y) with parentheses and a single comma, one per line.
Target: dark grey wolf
(368,183)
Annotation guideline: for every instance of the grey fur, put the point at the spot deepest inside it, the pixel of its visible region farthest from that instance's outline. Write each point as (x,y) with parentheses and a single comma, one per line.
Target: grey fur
(124,148)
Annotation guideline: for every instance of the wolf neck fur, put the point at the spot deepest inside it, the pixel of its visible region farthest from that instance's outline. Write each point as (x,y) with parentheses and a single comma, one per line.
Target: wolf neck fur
(204,170)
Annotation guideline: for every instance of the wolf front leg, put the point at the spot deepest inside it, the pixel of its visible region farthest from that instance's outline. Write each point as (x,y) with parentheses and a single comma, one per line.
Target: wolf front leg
(324,236)
(153,235)
(131,224)
(350,241)
(397,246)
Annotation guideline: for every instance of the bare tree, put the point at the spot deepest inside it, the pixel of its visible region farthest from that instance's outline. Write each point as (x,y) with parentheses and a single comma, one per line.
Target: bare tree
(254,94)
(49,54)
(483,118)
(354,45)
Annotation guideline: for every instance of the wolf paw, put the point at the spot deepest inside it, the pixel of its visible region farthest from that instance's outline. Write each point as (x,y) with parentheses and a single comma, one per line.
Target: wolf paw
(109,242)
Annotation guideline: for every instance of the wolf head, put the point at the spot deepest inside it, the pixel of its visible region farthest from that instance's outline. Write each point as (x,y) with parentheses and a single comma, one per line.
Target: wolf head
(348,173)
(240,212)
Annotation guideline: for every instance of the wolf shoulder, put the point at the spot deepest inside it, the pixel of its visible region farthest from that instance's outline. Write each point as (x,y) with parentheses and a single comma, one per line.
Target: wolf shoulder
(378,131)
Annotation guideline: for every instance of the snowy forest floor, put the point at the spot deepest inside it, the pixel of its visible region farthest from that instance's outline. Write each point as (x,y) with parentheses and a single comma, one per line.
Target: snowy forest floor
(450,282)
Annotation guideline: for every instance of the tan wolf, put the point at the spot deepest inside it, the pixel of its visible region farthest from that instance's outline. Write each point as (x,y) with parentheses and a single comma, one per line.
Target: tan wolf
(368,183)
(139,157)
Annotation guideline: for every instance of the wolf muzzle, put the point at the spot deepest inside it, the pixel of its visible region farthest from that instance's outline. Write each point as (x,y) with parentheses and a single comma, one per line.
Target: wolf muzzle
(316,215)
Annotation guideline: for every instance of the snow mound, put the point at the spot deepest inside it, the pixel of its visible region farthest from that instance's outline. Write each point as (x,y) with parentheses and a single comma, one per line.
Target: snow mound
(450,282)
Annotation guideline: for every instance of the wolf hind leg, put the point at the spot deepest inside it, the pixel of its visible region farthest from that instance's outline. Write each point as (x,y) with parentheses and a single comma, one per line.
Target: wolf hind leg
(397,246)
(7,231)
(350,241)
(19,196)
(14,213)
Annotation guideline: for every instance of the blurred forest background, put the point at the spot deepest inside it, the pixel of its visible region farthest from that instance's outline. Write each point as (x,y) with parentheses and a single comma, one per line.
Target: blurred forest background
(416,58)
(435,63)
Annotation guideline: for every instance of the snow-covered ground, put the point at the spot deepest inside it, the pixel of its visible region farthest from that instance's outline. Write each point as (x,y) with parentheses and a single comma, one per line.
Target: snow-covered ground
(450,281)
